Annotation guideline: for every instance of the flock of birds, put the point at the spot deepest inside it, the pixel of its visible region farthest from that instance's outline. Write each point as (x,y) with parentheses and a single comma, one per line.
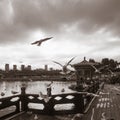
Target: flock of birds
(38,42)
(12,92)
(65,69)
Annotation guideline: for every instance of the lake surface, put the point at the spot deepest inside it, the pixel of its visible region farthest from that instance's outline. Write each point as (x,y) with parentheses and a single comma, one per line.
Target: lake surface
(34,87)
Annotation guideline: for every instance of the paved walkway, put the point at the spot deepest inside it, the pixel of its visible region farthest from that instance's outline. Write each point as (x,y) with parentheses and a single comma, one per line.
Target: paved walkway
(106,106)
(26,116)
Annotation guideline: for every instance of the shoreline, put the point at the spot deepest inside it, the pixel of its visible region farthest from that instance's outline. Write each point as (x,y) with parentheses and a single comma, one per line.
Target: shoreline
(37,79)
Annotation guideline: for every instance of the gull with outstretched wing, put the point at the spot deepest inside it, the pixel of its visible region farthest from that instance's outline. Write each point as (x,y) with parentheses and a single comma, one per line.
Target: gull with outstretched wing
(64,67)
(39,42)
(96,70)
(58,63)
(70,61)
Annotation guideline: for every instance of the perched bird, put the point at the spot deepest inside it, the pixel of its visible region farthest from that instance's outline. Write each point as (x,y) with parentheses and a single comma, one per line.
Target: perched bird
(65,70)
(63,90)
(14,92)
(2,93)
(36,117)
(45,97)
(49,85)
(77,116)
(39,42)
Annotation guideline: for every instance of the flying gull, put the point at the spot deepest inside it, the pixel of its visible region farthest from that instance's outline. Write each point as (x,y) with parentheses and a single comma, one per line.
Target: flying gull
(64,67)
(39,42)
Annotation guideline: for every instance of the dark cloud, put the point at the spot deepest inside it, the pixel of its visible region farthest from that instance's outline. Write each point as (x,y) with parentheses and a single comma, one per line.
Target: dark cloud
(20,18)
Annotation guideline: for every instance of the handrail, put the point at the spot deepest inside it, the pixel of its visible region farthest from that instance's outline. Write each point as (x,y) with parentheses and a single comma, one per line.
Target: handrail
(7,102)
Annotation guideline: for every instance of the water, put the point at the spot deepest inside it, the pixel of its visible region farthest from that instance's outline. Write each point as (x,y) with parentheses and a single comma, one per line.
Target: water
(34,87)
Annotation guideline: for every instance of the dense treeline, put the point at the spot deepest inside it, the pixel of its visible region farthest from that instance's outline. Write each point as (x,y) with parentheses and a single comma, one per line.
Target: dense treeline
(110,63)
(28,73)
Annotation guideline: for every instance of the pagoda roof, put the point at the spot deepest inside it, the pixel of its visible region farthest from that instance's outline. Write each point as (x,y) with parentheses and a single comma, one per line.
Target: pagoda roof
(85,63)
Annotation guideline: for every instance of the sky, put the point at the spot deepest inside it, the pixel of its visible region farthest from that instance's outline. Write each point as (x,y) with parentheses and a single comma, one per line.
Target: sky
(79,28)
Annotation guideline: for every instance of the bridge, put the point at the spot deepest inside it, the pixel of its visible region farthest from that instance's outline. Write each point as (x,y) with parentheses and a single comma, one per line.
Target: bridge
(104,107)
(78,101)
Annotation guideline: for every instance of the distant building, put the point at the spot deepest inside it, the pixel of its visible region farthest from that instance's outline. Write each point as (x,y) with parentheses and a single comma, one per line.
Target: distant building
(6,67)
(51,69)
(29,67)
(14,67)
(22,67)
(46,67)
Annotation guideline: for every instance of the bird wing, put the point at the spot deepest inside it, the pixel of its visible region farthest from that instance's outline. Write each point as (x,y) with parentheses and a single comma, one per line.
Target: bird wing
(94,67)
(103,67)
(45,39)
(58,63)
(34,42)
(39,43)
(45,97)
(96,70)
(70,61)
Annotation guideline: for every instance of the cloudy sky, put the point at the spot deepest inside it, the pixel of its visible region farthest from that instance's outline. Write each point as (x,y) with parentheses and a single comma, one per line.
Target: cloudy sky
(79,28)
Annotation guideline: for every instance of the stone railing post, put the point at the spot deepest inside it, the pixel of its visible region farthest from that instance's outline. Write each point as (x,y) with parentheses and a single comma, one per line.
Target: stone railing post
(49,110)
(79,103)
(49,105)
(24,106)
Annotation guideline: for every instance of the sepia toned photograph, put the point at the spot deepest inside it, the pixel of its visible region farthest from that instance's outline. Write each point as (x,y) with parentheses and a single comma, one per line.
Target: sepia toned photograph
(59,59)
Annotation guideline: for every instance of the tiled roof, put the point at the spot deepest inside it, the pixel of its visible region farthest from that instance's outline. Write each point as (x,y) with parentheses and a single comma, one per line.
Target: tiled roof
(84,62)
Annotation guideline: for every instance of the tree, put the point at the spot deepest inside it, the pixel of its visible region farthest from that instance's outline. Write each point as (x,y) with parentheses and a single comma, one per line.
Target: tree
(112,63)
(105,61)
(91,60)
